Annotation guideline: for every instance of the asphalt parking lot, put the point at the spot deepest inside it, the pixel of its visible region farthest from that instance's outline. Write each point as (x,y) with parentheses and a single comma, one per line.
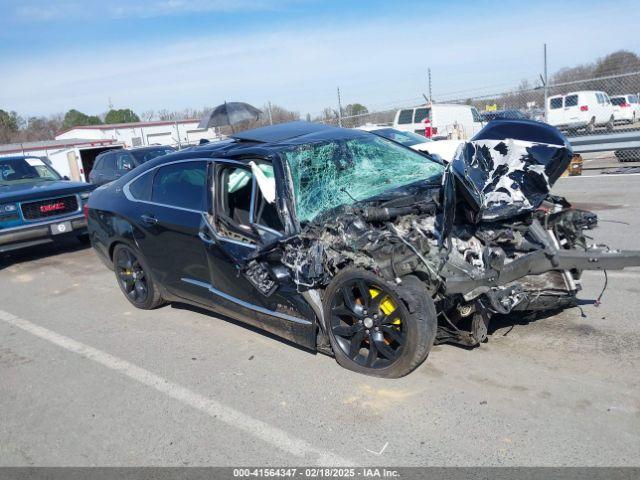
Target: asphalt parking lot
(87,380)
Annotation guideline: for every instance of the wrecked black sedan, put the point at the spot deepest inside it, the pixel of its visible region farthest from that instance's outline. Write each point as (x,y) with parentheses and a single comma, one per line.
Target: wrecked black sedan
(350,244)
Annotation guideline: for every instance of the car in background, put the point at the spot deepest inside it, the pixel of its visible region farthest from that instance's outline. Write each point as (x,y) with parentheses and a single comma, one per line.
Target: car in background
(112,164)
(626,108)
(37,205)
(446,120)
(445,149)
(503,114)
(580,110)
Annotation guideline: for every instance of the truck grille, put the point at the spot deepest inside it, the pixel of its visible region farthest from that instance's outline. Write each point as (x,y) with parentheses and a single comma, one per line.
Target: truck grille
(51,207)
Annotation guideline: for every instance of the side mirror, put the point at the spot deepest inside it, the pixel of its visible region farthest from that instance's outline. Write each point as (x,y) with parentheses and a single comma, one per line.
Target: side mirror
(127,166)
(65,178)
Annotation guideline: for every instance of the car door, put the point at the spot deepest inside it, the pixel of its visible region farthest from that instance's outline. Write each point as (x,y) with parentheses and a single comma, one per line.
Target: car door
(169,224)
(241,220)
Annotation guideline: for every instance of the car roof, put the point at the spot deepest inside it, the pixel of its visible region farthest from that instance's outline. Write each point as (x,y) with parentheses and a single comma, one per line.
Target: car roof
(282,132)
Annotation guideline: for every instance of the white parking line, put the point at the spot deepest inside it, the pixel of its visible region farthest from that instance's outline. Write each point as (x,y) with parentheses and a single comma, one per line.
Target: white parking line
(257,428)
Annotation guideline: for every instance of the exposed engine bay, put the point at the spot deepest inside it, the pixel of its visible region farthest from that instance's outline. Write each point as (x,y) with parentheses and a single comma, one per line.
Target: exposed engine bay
(491,239)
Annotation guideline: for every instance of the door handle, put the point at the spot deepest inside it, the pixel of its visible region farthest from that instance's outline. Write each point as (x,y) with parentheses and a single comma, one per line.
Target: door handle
(205,237)
(149,219)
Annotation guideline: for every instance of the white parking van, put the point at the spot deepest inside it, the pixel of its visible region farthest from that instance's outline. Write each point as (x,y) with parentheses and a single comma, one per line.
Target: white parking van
(626,108)
(448,120)
(586,109)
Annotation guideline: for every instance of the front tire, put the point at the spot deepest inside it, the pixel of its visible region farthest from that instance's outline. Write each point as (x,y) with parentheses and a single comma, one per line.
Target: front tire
(376,327)
(134,278)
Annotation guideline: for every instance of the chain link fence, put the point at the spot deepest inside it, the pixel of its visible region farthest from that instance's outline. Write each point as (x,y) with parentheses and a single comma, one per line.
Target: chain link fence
(604,105)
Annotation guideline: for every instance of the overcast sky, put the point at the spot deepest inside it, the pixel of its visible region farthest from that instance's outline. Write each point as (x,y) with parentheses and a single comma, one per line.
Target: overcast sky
(174,54)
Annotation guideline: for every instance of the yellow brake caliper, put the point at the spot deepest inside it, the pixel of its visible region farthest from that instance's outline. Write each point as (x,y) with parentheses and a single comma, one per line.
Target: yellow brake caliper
(387,306)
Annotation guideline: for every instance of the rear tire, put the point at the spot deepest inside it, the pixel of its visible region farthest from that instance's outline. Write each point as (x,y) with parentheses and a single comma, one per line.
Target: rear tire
(134,278)
(385,334)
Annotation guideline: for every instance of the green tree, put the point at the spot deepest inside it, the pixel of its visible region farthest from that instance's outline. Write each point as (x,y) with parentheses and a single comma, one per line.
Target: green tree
(74,118)
(123,115)
(354,109)
(9,125)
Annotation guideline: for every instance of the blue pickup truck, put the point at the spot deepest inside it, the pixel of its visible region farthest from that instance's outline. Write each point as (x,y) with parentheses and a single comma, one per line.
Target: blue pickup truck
(37,205)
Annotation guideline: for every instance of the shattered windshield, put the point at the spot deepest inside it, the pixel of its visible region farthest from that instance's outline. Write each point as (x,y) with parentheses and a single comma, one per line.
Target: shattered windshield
(331,173)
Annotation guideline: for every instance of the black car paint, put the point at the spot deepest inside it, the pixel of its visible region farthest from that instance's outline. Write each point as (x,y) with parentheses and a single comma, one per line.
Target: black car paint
(192,263)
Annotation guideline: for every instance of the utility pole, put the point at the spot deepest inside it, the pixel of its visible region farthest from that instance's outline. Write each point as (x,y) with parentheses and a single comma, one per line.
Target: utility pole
(178,134)
(546,82)
(339,109)
(430,97)
(270,115)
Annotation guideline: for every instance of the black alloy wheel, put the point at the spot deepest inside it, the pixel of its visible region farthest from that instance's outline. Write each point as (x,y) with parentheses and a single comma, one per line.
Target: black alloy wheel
(377,327)
(367,324)
(134,278)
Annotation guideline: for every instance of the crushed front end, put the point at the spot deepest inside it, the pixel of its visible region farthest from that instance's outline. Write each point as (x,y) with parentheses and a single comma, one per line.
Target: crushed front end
(487,237)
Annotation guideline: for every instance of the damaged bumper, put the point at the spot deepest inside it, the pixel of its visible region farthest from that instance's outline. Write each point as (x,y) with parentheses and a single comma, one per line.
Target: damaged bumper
(540,261)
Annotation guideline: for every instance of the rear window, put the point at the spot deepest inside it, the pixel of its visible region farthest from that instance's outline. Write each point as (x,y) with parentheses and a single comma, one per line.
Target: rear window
(140,188)
(555,102)
(406,116)
(618,101)
(571,101)
(421,114)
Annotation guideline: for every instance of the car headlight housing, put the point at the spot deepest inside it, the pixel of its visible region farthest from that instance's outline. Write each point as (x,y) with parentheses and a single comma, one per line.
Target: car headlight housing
(8,208)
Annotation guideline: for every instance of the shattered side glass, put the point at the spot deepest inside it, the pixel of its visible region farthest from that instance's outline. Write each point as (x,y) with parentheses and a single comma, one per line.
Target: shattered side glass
(340,172)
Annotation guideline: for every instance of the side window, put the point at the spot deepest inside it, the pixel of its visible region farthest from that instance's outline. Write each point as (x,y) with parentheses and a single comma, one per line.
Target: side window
(555,103)
(606,99)
(420,115)
(108,162)
(124,161)
(476,115)
(140,188)
(181,185)
(235,187)
(97,165)
(405,117)
(571,101)
(241,205)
